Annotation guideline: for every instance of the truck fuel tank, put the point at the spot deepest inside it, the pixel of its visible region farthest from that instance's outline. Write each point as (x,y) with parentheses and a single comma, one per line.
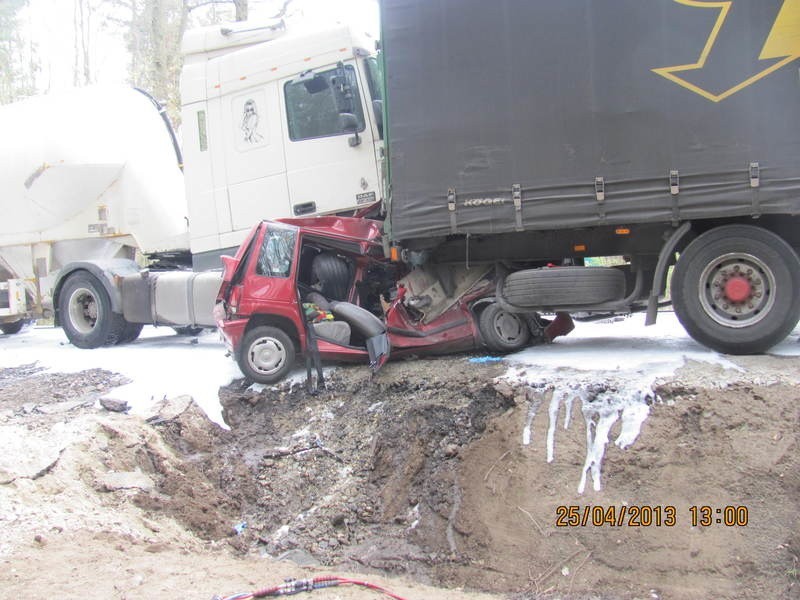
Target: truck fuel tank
(177,298)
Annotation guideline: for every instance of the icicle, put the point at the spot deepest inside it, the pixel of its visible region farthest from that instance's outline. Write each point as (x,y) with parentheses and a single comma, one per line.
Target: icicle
(606,412)
(602,404)
(555,402)
(568,410)
(526,433)
(590,427)
(633,415)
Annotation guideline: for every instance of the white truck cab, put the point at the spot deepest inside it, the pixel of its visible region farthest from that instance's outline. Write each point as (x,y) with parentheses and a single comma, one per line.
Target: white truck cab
(276,123)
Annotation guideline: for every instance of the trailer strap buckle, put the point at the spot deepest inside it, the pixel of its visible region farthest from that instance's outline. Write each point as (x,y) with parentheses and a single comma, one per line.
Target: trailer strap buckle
(600,196)
(516,195)
(755,175)
(674,182)
(675,189)
(451,206)
(600,189)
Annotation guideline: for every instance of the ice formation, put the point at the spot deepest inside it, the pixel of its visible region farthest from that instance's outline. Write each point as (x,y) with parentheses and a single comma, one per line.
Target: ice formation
(602,405)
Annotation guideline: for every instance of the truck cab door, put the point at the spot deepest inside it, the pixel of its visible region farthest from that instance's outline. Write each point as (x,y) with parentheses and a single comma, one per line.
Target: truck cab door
(330,147)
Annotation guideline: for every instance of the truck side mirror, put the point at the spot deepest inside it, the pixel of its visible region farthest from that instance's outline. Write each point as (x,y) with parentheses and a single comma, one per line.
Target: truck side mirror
(345,94)
(348,123)
(313,82)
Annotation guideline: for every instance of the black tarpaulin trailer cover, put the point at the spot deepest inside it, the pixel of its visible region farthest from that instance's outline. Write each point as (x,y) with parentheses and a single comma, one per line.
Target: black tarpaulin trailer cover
(600,111)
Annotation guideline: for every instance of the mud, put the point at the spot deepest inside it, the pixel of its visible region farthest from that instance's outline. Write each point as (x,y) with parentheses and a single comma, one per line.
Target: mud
(420,472)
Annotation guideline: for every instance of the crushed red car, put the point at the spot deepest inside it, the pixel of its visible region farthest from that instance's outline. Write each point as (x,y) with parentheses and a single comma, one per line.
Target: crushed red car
(322,286)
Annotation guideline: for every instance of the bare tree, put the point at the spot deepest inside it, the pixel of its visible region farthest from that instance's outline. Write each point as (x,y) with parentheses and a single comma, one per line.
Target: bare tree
(154,29)
(18,60)
(85,14)
(240,6)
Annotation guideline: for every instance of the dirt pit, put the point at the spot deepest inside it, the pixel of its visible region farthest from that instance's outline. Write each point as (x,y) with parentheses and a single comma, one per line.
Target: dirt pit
(418,474)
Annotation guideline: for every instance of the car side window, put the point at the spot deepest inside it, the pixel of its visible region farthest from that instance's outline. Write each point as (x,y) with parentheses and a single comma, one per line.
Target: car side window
(315,102)
(275,257)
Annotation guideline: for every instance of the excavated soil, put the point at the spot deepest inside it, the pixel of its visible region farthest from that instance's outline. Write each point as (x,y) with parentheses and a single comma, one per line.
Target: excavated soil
(418,472)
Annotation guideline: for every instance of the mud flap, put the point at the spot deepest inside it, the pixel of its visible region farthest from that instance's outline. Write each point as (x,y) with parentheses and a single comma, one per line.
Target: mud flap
(378,349)
(561,325)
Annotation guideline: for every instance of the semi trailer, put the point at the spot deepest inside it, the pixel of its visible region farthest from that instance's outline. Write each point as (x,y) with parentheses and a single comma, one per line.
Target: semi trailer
(536,135)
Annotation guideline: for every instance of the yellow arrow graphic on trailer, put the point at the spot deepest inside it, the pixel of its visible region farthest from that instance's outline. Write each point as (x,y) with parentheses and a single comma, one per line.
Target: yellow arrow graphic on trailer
(782,43)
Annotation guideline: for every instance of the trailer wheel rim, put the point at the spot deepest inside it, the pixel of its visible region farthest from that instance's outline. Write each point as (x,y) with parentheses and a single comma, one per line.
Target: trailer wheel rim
(508,326)
(266,355)
(737,290)
(84,310)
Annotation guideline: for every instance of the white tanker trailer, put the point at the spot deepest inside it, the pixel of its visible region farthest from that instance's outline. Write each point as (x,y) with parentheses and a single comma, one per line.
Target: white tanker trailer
(91,183)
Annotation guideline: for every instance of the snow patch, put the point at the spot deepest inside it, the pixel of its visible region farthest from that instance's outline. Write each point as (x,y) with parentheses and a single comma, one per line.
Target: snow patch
(160,364)
(413,517)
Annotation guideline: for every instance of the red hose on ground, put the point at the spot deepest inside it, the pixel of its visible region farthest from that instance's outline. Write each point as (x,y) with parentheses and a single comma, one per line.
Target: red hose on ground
(370,586)
(297,586)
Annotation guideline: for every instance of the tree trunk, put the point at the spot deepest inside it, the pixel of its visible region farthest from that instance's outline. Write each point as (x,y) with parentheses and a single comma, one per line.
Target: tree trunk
(86,25)
(76,46)
(81,21)
(241,9)
(18,60)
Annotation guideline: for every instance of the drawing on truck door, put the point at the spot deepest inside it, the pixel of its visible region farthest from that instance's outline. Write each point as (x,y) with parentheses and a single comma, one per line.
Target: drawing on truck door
(250,122)
(782,46)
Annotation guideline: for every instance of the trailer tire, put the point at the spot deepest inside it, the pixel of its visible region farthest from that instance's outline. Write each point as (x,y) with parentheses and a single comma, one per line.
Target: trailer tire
(503,331)
(13,327)
(564,286)
(267,354)
(734,289)
(86,314)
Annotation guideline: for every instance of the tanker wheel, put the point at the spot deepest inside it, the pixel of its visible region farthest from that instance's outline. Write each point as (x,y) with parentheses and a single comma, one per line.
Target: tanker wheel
(13,327)
(503,331)
(734,289)
(86,314)
(267,354)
